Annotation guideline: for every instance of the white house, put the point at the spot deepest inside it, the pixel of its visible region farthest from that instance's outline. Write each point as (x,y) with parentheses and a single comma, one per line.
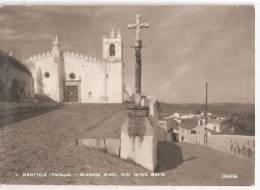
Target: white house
(214,125)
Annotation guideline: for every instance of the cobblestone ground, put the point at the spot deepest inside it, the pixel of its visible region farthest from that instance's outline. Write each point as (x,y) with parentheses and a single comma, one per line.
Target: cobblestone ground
(46,143)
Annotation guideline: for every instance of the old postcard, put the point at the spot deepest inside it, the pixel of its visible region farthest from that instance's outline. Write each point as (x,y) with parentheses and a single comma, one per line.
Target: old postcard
(127,95)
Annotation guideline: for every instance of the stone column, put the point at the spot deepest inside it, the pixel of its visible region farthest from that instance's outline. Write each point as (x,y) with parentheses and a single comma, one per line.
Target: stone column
(138,72)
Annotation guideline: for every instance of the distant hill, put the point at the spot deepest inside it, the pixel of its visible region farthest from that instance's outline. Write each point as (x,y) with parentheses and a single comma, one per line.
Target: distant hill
(220,109)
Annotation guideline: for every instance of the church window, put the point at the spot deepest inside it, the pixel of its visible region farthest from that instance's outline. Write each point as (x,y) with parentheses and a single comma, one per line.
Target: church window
(112,50)
(47,74)
(72,76)
(89,94)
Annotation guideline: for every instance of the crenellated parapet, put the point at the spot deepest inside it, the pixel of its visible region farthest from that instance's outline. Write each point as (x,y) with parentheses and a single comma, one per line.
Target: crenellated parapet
(39,56)
(65,53)
(84,57)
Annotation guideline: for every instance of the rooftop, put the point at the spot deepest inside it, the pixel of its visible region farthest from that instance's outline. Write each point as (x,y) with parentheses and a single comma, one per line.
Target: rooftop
(12,61)
(189,123)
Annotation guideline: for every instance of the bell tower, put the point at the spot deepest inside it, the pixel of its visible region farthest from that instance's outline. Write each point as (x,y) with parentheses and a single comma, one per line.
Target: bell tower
(58,68)
(112,47)
(113,58)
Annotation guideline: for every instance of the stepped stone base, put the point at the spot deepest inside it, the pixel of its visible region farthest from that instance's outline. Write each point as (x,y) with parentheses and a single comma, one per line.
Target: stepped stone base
(109,145)
(138,140)
(139,149)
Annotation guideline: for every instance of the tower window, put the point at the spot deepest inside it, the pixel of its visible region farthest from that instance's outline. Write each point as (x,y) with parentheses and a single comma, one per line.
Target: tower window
(112,50)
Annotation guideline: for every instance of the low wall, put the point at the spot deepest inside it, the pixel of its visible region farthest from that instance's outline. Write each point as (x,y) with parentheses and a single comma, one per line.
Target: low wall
(162,134)
(189,138)
(109,145)
(237,145)
(10,108)
(4,106)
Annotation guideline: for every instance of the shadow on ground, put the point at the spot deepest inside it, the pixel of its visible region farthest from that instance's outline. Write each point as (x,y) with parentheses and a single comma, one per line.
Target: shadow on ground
(25,114)
(102,120)
(170,156)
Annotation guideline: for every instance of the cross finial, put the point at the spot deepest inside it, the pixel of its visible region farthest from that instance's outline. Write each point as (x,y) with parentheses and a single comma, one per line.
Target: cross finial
(112,35)
(138,26)
(56,41)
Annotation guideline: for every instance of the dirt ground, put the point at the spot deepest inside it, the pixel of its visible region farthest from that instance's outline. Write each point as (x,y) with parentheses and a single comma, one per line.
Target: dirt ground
(45,142)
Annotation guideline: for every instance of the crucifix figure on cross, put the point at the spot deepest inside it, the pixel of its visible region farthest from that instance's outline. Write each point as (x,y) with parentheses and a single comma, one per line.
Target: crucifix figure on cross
(138,46)
(138,26)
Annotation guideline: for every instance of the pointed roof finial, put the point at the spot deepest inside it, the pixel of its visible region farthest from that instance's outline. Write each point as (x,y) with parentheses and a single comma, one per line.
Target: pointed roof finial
(118,34)
(56,41)
(112,33)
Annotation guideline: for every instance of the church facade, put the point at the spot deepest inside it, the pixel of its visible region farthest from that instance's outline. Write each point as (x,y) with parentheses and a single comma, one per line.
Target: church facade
(69,77)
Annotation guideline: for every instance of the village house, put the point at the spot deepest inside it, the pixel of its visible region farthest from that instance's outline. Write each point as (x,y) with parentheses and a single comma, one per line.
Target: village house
(16,81)
(168,129)
(188,126)
(179,116)
(214,125)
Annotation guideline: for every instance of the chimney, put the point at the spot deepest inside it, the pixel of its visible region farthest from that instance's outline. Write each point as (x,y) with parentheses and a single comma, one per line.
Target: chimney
(206,103)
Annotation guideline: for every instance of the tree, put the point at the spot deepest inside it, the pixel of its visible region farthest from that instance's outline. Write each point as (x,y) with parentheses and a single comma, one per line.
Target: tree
(241,123)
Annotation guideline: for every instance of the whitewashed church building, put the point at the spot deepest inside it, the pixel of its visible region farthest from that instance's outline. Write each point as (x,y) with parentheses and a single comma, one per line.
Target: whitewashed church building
(69,77)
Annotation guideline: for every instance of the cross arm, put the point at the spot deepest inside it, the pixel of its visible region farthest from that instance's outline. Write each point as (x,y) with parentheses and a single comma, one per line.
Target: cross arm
(130,26)
(144,25)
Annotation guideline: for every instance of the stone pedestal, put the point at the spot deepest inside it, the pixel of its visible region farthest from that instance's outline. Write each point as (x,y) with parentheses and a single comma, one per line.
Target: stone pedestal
(138,138)
(137,99)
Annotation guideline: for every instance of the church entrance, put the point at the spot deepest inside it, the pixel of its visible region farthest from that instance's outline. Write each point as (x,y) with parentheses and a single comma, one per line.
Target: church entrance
(72,91)
(72,94)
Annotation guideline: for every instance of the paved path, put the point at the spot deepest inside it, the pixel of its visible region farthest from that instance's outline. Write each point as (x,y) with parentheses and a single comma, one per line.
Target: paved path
(46,142)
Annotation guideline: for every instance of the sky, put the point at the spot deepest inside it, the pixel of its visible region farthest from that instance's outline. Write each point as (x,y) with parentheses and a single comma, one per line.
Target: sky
(186,46)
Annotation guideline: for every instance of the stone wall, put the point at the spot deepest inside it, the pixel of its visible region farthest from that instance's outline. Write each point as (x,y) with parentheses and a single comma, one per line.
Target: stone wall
(109,145)
(237,145)
(165,130)
(189,138)
(16,81)
(10,108)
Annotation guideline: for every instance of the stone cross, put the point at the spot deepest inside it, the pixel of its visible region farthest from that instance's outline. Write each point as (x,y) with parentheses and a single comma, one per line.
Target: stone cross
(138,26)
(138,46)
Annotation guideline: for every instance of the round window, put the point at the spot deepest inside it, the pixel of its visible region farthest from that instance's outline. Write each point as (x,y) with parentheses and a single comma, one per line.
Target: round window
(47,74)
(72,75)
